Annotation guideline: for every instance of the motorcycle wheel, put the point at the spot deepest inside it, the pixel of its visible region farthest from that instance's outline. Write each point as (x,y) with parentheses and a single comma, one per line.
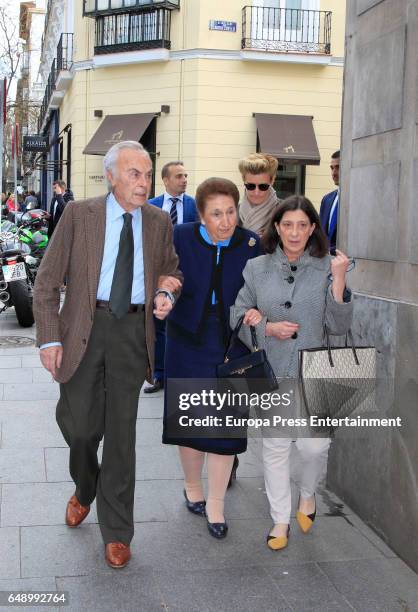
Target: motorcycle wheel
(22,301)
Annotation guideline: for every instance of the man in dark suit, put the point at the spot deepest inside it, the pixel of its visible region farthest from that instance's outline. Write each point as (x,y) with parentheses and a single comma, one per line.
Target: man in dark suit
(328,212)
(182,209)
(117,255)
(59,201)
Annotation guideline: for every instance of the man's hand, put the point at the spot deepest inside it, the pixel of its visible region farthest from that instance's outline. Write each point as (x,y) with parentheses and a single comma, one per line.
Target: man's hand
(51,358)
(162,305)
(169,283)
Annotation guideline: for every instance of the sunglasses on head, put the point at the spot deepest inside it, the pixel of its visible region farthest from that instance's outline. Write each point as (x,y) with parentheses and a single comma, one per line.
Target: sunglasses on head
(252,186)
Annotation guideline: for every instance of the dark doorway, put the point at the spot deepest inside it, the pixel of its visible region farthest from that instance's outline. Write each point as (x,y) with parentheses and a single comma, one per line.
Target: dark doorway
(149,142)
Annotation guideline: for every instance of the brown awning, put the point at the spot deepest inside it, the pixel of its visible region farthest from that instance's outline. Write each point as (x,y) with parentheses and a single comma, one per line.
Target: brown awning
(115,128)
(290,138)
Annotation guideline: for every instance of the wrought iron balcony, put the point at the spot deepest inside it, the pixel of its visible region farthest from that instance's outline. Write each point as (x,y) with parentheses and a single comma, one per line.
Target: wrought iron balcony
(131,31)
(58,79)
(65,51)
(286,30)
(93,8)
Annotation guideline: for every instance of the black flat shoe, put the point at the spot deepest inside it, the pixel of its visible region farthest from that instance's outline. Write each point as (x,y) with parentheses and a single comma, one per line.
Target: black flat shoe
(233,472)
(157,386)
(195,507)
(218,530)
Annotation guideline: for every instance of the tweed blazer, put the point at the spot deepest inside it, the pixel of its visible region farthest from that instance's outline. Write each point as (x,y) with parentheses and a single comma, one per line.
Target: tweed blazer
(307,299)
(75,253)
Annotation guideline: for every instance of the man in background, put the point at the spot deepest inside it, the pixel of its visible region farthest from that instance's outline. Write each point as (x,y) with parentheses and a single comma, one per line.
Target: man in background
(182,209)
(59,201)
(329,206)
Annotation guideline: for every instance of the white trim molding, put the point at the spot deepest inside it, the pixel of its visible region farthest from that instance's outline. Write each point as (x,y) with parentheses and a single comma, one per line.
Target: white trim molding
(131,57)
(163,55)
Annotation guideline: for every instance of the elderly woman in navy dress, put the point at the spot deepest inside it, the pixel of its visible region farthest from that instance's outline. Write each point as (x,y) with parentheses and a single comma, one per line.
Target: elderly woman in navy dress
(213,254)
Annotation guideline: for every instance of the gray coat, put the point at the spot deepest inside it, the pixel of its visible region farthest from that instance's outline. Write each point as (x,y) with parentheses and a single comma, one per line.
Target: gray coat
(306,300)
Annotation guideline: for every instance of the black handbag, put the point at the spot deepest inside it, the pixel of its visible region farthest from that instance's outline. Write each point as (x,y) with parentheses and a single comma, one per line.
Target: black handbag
(254,368)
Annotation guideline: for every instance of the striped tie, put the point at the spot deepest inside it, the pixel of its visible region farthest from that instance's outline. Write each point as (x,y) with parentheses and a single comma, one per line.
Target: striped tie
(173,210)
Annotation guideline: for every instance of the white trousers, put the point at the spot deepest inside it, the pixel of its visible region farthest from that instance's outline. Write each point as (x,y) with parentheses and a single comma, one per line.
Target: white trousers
(309,465)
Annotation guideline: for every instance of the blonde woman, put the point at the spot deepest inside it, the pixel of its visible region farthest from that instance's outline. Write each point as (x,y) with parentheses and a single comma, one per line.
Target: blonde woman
(258,172)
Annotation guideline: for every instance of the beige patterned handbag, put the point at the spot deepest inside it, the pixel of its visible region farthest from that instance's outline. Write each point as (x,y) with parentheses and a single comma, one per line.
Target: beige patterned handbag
(338,381)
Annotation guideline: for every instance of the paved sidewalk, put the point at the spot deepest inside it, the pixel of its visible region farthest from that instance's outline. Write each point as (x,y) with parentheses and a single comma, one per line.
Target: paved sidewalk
(340,566)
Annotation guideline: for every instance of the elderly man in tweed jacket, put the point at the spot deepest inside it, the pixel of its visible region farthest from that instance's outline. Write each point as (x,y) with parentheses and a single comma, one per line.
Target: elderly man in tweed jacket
(117,255)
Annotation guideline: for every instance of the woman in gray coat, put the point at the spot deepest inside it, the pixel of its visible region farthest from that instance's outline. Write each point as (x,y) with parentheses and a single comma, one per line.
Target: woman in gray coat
(289,295)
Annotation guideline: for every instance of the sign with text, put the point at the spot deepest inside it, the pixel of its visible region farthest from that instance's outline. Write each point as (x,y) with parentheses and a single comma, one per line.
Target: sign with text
(36,143)
(223,26)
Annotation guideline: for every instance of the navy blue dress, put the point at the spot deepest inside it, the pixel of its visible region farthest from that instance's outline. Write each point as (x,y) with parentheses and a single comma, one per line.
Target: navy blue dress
(198,327)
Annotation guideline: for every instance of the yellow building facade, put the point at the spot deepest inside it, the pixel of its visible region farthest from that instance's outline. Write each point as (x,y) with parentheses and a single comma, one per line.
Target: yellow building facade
(201,82)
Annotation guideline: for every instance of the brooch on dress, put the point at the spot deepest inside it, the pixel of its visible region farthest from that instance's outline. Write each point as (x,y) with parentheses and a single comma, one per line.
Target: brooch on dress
(251,242)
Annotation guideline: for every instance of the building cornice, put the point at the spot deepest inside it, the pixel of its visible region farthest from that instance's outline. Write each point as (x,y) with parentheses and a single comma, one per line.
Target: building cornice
(163,55)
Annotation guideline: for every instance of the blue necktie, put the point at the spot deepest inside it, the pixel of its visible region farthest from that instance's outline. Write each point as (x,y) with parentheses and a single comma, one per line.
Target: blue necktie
(173,210)
(333,221)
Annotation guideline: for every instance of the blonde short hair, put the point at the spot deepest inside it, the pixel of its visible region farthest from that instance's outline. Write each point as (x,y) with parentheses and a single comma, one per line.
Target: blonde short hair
(259,163)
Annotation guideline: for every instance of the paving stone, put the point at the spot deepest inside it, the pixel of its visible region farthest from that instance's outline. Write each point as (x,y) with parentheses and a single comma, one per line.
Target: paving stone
(56,463)
(33,432)
(306,587)
(157,462)
(16,375)
(124,591)
(31,361)
(36,391)
(17,351)
(375,585)
(37,504)
(153,502)
(233,589)
(149,432)
(15,409)
(65,551)
(22,465)
(57,460)
(46,584)
(10,361)
(371,536)
(42,375)
(9,552)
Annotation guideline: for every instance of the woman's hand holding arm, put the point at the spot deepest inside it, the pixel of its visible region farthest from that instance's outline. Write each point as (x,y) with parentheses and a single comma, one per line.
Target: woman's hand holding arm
(282,330)
(252,317)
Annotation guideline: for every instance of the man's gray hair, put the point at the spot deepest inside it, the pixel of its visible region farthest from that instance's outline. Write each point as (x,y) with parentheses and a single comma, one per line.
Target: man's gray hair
(111,157)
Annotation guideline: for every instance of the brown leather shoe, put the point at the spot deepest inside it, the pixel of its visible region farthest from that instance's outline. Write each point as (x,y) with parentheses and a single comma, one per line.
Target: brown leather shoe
(75,513)
(117,554)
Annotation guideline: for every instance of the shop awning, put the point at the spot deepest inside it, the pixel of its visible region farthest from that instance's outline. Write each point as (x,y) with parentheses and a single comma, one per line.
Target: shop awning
(290,138)
(115,128)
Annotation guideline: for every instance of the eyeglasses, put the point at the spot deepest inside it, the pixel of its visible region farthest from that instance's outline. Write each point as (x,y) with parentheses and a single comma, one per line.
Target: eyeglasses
(252,186)
(351,266)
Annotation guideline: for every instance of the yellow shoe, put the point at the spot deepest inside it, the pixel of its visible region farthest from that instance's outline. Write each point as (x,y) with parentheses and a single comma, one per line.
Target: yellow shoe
(305,521)
(278,542)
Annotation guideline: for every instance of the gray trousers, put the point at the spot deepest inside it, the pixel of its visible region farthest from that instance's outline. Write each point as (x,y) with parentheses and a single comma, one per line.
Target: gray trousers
(101,401)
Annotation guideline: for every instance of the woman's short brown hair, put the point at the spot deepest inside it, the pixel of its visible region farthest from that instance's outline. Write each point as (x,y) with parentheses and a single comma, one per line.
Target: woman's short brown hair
(258,163)
(212,187)
(318,242)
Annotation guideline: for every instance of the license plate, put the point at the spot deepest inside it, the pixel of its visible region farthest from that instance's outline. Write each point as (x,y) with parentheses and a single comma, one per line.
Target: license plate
(14,272)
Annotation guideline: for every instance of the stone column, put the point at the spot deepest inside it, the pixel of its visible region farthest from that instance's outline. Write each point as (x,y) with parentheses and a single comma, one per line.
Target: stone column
(378,225)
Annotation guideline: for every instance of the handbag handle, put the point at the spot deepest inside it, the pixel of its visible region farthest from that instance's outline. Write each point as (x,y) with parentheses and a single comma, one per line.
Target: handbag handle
(234,337)
(348,337)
